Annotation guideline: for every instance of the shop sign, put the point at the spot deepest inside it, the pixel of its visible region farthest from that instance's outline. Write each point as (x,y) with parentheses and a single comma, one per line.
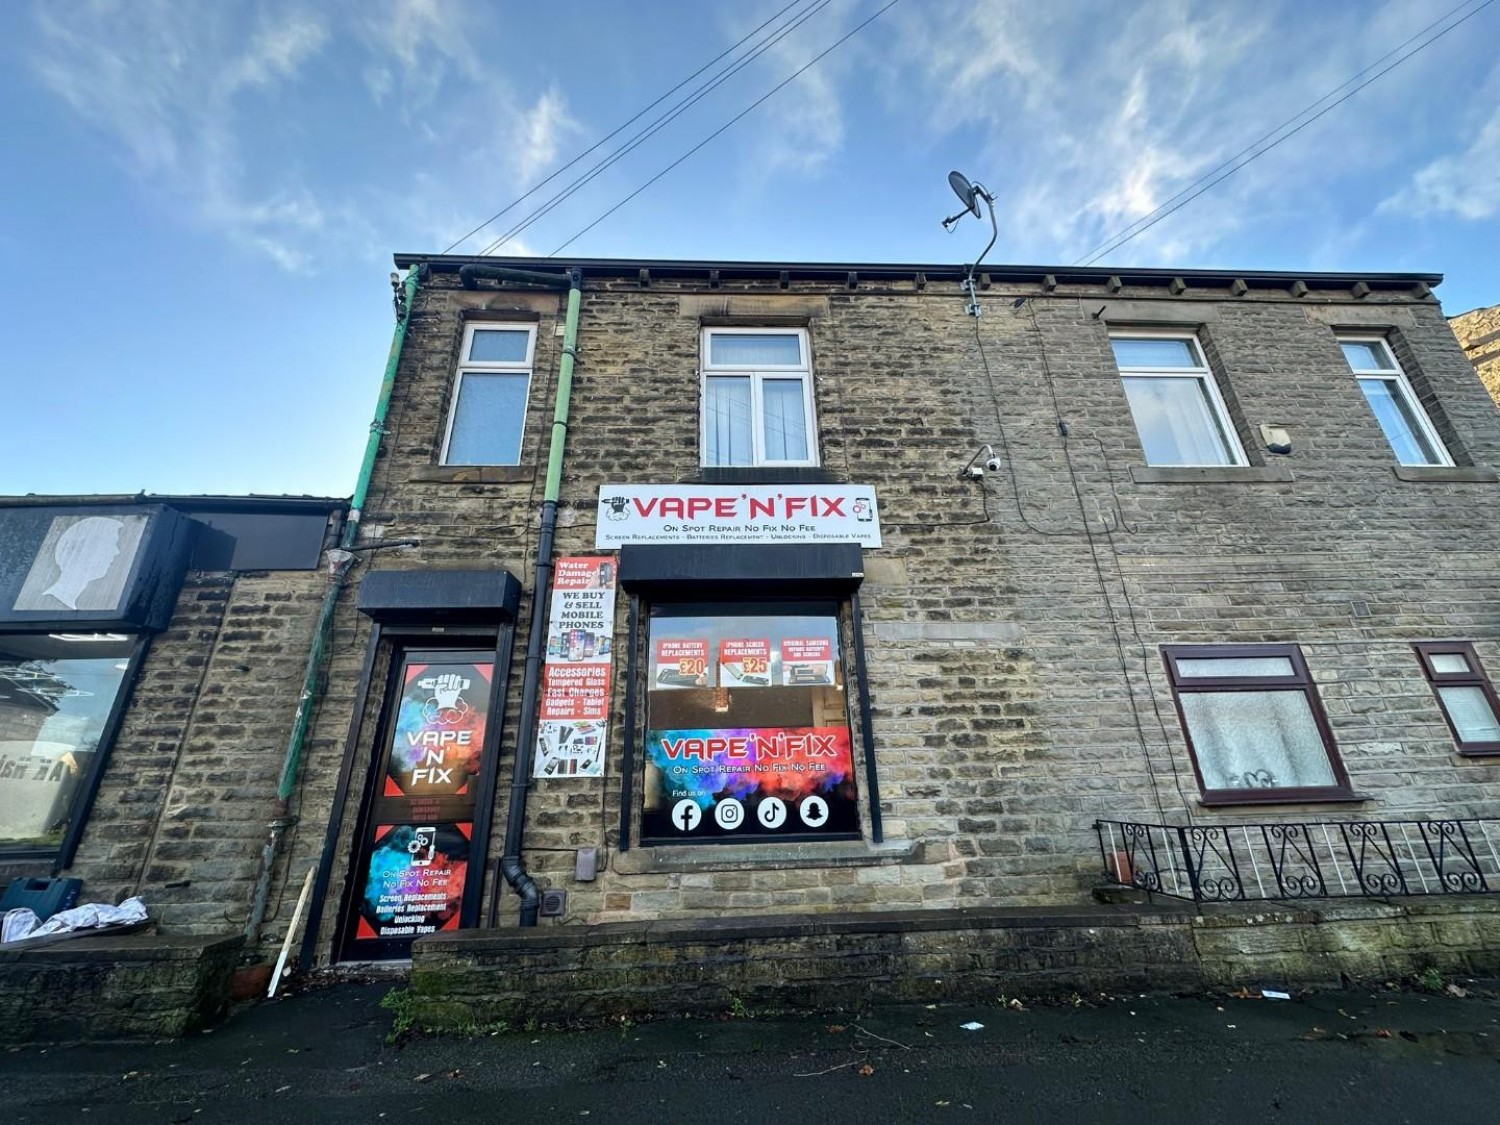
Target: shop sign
(780,513)
(721,783)
(414,880)
(573,729)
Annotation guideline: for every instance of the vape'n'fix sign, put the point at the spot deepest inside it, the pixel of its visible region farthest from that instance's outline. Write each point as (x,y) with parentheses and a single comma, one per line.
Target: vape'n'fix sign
(780,513)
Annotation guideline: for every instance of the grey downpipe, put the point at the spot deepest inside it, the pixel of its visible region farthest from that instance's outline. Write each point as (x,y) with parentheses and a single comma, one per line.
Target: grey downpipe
(512,865)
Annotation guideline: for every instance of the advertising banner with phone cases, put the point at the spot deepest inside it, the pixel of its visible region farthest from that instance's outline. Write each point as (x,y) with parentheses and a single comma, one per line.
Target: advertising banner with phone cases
(573,724)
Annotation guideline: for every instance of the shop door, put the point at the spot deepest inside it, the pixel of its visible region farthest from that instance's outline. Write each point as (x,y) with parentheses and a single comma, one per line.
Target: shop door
(419,854)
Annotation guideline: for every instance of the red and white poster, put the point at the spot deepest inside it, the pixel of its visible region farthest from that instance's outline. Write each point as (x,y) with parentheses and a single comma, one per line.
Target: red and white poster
(573,731)
(807,661)
(681,663)
(745,662)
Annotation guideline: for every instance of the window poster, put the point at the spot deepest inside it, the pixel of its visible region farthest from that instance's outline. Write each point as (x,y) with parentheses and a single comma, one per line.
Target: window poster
(573,727)
(414,881)
(681,663)
(439,732)
(745,662)
(747,729)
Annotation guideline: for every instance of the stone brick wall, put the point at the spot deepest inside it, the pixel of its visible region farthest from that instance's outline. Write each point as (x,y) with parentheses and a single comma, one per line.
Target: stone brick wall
(1478,331)
(1014,625)
(190,786)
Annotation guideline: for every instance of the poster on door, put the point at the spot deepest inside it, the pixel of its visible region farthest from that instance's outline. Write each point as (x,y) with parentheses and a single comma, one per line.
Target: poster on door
(573,726)
(438,742)
(722,783)
(413,881)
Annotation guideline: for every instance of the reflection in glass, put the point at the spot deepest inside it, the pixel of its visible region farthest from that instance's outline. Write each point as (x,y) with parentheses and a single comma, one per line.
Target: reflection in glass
(1154,353)
(1221,666)
(1177,422)
(495,345)
(1472,715)
(1397,417)
(55,697)
(1447,663)
(1256,740)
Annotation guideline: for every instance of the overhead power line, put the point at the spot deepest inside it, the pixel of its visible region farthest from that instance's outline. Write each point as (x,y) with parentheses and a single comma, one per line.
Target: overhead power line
(732,121)
(621,128)
(640,138)
(1229,167)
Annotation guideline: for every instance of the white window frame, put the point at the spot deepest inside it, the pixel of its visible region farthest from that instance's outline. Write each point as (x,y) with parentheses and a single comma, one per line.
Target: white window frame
(1199,371)
(757,376)
(1395,375)
(467,367)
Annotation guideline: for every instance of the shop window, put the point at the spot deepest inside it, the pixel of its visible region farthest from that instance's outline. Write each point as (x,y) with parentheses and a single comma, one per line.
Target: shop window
(1407,427)
(1174,401)
(757,398)
(58,701)
(1254,724)
(488,415)
(1465,694)
(747,725)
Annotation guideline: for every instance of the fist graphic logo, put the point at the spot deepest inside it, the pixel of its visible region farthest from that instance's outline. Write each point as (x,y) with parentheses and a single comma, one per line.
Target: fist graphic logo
(616,504)
(447,705)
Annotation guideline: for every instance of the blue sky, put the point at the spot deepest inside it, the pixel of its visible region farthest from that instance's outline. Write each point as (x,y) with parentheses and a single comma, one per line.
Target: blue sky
(202,198)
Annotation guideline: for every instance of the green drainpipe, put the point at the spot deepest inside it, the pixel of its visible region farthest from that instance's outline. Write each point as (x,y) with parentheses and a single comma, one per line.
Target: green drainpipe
(339,566)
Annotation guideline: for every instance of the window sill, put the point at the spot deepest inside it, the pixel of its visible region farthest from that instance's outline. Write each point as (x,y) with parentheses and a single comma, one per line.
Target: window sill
(1293,797)
(1445,474)
(473,474)
(1211,474)
(1489,750)
(767,474)
(645,860)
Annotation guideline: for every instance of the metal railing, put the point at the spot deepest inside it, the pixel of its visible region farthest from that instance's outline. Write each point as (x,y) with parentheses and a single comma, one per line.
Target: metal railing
(1303,859)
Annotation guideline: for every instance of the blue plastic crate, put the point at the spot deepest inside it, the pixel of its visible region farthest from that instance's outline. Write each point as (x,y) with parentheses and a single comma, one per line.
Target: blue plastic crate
(45,896)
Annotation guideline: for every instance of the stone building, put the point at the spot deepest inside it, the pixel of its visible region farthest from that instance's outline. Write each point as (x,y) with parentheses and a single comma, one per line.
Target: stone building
(1478,331)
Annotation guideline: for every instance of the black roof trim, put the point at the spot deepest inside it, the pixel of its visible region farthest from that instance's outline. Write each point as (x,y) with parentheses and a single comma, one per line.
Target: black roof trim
(839,272)
(251,503)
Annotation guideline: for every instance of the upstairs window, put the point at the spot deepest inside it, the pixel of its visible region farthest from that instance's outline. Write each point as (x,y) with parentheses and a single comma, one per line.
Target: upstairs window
(757,398)
(1177,409)
(1254,724)
(1390,395)
(1465,693)
(488,415)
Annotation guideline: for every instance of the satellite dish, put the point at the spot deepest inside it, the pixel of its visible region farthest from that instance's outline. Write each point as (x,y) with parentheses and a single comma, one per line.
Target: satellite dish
(965,191)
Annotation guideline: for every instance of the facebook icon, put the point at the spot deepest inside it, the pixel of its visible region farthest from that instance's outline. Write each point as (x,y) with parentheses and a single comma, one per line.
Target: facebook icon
(686,814)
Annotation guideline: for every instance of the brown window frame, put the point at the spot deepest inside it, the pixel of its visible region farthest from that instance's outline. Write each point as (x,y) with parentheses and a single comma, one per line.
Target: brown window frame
(1300,680)
(1475,677)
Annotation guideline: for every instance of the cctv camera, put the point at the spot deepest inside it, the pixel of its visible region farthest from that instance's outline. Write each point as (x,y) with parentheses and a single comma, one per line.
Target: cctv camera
(993,464)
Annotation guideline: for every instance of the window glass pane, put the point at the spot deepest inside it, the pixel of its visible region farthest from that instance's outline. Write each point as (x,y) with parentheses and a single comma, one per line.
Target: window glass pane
(488,420)
(1397,417)
(1256,739)
(1155,353)
(726,420)
(786,419)
(1218,666)
(1472,715)
(1366,357)
(55,697)
(755,349)
(499,345)
(1448,662)
(748,729)
(1176,421)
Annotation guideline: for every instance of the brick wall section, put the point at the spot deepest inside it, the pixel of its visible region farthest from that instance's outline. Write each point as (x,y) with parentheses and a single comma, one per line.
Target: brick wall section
(190,786)
(1013,626)
(1478,331)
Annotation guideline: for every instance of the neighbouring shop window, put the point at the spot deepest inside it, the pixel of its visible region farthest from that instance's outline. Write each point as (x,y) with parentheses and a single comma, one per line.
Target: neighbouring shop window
(488,415)
(57,694)
(1254,724)
(412,870)
(748,733)
(1465,694)
(1413,438)
(1174,401)
(757,398)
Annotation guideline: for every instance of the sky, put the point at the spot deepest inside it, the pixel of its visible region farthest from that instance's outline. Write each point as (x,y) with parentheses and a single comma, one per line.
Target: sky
(202,198)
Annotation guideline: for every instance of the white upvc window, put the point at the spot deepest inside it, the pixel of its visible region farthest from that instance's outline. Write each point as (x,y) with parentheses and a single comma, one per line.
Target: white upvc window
(1176,405)
(1407,427)
(757,398)
(488,414)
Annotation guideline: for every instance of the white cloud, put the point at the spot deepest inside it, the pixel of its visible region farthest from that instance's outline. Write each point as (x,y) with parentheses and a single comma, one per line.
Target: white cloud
(1465,184)
(542,129)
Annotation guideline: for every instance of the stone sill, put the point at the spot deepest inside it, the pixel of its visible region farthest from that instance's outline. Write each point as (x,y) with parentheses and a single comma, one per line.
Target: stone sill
(473,474)
(1281,806)
(1211,474)
(768,474)
(757,857)
(110,949)
(1445,474)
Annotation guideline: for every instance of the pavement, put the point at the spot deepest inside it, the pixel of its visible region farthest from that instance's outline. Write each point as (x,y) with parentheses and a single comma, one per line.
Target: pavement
(1374,1055)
